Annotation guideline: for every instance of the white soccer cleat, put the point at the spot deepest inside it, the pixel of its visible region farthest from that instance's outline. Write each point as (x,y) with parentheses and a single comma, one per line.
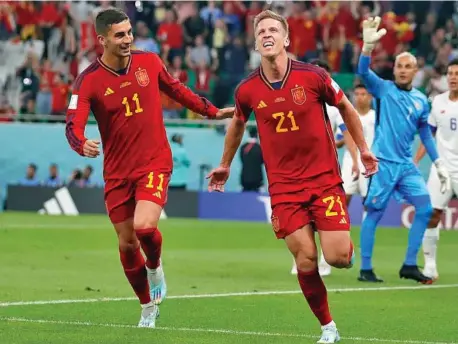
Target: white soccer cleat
(149,315)
(294,269)
(157,285)
(431,271)
(329,334)
(324,269)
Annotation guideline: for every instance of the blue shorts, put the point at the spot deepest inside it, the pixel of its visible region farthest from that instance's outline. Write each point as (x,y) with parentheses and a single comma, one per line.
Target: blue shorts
(396,179)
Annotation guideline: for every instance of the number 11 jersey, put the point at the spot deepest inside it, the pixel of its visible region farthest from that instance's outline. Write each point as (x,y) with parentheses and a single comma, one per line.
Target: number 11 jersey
(127,107)
(295,133)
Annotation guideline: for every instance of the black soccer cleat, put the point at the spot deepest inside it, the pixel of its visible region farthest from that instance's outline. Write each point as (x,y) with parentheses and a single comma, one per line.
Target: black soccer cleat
(369,276)
(413,272)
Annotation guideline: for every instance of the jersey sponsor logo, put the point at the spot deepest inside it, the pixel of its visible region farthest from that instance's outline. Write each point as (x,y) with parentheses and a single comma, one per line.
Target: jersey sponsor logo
(108,92)
(335,86)
(262,105)
(298,94)
(73,102)
(142,77)
(125,84)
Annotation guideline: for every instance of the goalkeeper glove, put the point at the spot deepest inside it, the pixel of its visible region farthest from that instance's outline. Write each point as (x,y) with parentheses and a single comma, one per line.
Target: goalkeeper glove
(443,175)
(370,34)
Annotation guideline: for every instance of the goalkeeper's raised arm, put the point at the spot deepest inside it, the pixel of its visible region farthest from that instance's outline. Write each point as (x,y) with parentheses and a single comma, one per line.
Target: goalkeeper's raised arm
(371,36)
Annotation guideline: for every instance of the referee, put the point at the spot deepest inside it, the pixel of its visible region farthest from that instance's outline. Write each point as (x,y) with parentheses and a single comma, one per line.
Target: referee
(251,177)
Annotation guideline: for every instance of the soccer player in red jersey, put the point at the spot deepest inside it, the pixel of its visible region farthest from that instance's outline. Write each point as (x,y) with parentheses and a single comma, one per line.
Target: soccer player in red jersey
(288,99)
(122,88)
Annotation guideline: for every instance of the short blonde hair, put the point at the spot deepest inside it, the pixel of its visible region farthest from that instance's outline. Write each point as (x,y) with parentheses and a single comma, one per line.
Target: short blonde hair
(406,54)
(272,15)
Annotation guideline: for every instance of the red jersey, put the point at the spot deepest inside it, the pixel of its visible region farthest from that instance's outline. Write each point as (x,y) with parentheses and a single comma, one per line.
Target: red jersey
(127,107)
(295,133)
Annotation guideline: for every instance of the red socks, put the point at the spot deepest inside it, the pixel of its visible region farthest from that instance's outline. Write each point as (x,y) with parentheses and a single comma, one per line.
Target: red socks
(316,295)
(151,243)
(135,271)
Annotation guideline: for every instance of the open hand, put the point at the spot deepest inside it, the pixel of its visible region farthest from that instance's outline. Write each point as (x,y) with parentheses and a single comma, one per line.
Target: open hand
(218,178)
(370,163)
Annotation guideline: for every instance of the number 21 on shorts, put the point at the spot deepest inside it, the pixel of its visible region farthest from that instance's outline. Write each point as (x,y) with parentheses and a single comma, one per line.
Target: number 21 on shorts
(331,202)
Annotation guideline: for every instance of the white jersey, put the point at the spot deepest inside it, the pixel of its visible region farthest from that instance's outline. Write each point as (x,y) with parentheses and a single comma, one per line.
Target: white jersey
(444,116)
(368,123)
(334,117)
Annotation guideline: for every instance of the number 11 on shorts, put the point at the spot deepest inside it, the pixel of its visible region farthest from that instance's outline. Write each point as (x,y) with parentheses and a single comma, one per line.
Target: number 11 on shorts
(151,182)
(331,201)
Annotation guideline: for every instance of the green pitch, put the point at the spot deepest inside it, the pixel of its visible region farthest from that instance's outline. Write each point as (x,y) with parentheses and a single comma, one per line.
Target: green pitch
(63,258)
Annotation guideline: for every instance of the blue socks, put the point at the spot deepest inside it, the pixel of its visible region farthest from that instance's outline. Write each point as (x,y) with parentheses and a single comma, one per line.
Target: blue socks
(367,236)
(423,212)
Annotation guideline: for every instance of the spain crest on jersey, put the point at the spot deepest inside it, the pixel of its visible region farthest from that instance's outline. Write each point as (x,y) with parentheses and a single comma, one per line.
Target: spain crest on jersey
(142,77)
(298,94)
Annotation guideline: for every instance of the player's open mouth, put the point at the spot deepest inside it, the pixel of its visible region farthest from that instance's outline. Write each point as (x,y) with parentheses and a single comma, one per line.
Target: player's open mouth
(268,44)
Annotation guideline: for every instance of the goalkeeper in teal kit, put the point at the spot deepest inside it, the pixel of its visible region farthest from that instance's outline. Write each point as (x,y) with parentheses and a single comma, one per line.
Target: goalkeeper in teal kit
(401,112)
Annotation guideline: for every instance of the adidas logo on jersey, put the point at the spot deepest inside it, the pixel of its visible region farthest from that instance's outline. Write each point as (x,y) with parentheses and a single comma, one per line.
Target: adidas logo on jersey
(157,194)
(262,105)
(108,91)
(343,221)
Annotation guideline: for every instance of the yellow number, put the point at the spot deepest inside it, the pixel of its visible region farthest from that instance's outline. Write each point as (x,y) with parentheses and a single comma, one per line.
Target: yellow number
(160,186)
(342,211)
(330,200)
(150,180)
(126,103)
(138,108)
(281,119)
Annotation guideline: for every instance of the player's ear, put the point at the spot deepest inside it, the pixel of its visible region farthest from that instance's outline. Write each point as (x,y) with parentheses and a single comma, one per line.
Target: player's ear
(102,40)
(287,42)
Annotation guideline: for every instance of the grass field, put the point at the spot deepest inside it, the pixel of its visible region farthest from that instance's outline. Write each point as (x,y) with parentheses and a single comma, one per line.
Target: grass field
(229,282)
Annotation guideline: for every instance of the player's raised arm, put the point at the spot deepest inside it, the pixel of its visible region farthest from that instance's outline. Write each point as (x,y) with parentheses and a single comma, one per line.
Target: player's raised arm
(77,116)
(370,36)
(234,135)
(183,95)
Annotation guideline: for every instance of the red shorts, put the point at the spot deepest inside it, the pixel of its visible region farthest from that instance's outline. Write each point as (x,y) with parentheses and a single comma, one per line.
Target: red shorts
(121,195)
(326,211)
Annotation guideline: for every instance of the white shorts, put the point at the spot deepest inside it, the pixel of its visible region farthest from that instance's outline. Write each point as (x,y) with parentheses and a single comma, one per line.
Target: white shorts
(352,187)
(440,200)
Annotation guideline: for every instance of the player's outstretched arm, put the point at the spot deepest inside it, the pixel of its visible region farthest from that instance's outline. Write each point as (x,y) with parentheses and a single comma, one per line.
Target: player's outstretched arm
(353,124)
(371,35)
(234,135)
(353,150)
(183,95)
(76,120)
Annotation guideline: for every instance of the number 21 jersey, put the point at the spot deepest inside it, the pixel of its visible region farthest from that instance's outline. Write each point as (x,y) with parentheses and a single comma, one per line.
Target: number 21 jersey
(295,133)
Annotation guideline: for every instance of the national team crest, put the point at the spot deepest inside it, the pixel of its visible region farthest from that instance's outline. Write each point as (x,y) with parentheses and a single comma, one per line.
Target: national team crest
(275,223)
(298,94)
(142,77)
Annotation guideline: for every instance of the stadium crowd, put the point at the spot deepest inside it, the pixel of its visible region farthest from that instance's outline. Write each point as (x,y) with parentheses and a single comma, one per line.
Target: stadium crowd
(209,44)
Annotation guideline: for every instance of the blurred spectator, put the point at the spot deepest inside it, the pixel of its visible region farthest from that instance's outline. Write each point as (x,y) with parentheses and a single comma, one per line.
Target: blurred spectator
(437,83)
(170,34)
(232,20)
(53,180)
(60,93)
(251,177)
(303,33)
(170,108)
(143,39)
(30,82)
(30,176)
(181,164)
(211,13)
(76,179)
(451,34)
(235,58)
(420,77)
(199,54)
(203,79)
(194,26)
(44,96)
(48,18)
(86,176)
(6,110)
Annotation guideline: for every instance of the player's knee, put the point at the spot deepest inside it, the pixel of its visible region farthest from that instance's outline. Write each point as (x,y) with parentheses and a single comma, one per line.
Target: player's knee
(425,211)
(435,218)
(128,244)
(144,222)
(339,261)
(306,261)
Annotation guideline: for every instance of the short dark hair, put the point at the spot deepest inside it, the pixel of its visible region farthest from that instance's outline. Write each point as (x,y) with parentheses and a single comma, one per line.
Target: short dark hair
(322,64)
(33,166)
(360,86)
(108,17)
(453,62)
